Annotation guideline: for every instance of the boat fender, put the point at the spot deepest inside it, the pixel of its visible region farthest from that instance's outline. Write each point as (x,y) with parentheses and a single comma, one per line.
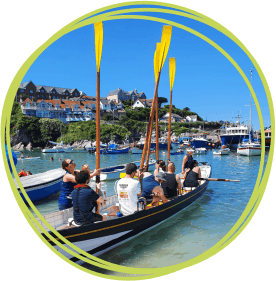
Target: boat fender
(119,215)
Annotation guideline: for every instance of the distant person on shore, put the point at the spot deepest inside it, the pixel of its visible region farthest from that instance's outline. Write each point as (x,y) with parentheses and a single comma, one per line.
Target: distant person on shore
(51,158)
(84,200)
(192,175)
(68,183)
(22,155)
(59,159)
(187,159)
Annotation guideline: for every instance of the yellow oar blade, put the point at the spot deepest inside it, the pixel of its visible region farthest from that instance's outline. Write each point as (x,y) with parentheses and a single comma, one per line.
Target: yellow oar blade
(98,27)
(156,60)
(165,44)
(122,175)
(172,71)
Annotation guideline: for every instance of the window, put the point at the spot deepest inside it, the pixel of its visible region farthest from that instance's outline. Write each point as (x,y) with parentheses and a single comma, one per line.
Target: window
(54,92)
(31,97)
(42,91)
(54,97)
(76,94)
(38,96)
(31,91)
(42,96)
(66,94)
(22,91)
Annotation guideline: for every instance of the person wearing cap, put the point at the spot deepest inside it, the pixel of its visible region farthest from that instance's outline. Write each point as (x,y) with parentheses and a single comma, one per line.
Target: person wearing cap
(128,190)
(187,159)
(171,182)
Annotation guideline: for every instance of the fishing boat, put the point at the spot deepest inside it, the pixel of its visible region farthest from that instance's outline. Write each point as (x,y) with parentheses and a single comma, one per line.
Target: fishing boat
(201,141)
(43,185)
(113,172)
(224,150)
(233,135)
(100,237)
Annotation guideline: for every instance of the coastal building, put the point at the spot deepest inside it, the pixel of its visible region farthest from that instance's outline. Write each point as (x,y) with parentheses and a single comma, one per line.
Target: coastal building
(191,118)
(64,110)
(143,103)
(121,95)
(35,92)
(174,117)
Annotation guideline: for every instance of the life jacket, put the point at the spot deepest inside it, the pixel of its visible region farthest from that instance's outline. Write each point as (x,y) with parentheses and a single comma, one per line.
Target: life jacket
(22,174)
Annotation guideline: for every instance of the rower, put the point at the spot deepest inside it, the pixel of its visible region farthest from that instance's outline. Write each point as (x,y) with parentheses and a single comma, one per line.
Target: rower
(187,159)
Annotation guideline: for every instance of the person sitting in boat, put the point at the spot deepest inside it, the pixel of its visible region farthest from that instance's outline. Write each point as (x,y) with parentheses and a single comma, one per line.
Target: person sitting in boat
(160,167)
(22,173)
(84,200)
(187,159)
(128,190)
(29,173)
(68,183)
(150,187)
(85,167)
(193,175)
(171,186)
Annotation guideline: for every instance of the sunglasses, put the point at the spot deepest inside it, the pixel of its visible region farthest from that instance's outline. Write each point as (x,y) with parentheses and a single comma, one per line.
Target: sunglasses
(71,162)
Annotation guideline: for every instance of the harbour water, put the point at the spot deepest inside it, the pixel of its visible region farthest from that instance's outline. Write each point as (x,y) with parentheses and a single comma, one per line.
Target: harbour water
(186,235)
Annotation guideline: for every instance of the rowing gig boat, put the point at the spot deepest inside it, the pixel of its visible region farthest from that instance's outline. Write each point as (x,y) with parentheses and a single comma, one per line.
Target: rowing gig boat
(100,237)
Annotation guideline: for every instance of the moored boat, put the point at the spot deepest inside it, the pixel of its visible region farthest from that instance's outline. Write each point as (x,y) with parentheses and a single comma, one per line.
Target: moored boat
(100,237)
(222,151)
(42,185)
(249,148)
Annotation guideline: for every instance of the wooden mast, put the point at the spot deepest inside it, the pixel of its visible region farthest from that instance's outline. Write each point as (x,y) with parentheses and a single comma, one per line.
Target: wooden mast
(159,59)
(98,27)
(156,129)
(172,74)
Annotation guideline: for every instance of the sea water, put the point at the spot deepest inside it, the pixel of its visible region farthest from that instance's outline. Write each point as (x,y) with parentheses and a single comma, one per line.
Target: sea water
(186,235)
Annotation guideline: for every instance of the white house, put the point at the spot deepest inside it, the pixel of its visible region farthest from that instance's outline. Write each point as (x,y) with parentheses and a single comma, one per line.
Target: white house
(175,117)
(142,103)
(191,118)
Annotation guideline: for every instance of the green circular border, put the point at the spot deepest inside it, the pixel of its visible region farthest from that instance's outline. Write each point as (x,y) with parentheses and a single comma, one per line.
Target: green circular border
(90,18)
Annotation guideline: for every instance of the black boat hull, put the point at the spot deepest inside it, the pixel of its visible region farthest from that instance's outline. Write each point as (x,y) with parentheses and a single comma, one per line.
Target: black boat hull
(101,237)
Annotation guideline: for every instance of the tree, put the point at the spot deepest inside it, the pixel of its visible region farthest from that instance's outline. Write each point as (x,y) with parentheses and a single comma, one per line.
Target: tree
(161,100)
(186,109)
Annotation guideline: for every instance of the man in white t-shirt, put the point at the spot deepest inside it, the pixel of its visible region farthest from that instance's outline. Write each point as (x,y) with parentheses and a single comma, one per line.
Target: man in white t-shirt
(128,190)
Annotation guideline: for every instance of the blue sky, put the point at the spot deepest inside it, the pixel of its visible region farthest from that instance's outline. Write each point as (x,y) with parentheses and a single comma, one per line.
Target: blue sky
(205,80)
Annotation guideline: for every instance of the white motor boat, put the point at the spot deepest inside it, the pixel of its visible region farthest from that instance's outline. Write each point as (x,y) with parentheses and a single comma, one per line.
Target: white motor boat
(222,151)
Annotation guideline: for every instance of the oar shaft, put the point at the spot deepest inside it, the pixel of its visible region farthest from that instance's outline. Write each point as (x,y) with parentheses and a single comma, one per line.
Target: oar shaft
(148,135)
(210,179)
(169,130)
(98,132)
(156,128)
